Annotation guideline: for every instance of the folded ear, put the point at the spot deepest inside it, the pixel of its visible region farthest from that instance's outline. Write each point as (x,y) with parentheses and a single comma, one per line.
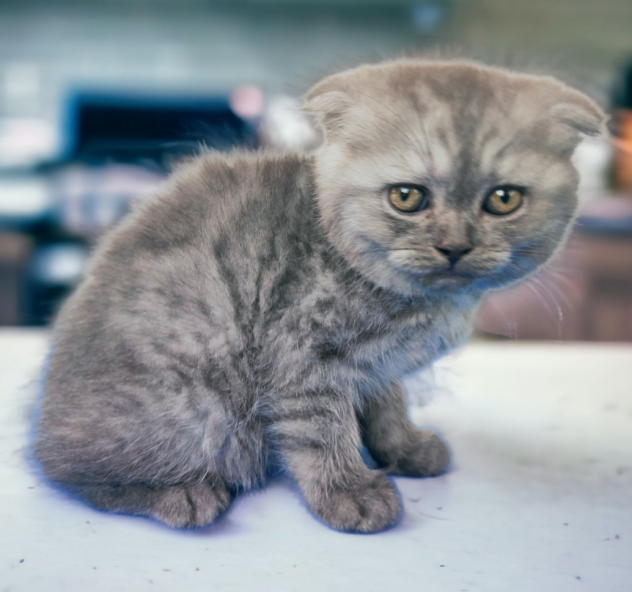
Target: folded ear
(329,108)
(579,116)
(587,118)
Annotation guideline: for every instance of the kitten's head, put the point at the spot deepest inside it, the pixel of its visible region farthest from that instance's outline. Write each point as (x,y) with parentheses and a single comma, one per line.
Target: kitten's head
(447,175)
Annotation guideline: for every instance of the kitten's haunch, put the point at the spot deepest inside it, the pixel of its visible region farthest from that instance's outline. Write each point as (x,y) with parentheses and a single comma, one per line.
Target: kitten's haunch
(265,306)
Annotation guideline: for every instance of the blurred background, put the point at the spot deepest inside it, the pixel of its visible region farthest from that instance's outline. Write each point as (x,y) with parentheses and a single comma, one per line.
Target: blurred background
(99,99)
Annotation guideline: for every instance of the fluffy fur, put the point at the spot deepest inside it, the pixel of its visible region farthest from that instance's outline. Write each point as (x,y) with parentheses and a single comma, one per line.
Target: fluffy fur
(265,306)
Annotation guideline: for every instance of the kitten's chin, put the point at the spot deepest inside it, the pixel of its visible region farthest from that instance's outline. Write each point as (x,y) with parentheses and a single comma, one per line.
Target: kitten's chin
(431,278)
(436,283)
(448,279)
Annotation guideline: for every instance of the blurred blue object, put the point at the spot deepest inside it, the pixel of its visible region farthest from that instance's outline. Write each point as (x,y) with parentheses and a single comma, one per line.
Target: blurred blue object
(90,198)
(428,16)
(52,272)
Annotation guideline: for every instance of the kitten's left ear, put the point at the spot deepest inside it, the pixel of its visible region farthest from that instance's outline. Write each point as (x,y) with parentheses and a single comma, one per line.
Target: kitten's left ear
(580,116)
(586,118)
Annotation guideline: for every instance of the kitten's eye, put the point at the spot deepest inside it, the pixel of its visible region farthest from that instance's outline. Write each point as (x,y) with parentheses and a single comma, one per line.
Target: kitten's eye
(407,198)
(503,201)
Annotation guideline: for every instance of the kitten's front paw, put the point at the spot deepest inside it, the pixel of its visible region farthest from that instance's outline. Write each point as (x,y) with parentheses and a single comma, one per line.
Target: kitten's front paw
(425,456)
(368,505)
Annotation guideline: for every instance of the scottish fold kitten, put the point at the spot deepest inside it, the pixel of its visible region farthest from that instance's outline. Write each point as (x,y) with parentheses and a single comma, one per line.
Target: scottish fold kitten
(264,307)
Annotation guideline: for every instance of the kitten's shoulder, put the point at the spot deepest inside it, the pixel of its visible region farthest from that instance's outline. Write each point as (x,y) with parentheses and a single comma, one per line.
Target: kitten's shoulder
(211,193)
(221,185)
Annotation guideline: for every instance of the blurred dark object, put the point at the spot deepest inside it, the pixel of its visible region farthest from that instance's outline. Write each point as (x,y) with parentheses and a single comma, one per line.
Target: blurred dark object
(51,273)
(587,292)
(139,128)
(14,254)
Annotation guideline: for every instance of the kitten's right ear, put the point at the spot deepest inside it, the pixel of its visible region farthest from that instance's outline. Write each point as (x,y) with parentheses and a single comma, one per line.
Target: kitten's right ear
(329,109)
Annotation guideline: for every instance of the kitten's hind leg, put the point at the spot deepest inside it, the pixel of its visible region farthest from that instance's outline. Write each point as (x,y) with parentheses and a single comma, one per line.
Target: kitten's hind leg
(188,505)
(394,442)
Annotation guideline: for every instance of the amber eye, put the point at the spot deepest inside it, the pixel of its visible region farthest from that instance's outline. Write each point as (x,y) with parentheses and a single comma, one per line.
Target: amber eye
(503,201)
(407,198)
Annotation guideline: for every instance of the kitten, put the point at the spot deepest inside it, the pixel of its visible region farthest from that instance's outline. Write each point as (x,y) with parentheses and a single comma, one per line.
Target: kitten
(265,306)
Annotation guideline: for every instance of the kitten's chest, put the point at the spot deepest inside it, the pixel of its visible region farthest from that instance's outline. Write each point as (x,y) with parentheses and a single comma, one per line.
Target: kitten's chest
(405,342)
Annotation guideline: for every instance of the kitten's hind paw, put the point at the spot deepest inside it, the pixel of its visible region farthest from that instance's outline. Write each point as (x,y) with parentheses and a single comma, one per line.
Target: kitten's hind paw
(369,505)
(190,506)
(426,455)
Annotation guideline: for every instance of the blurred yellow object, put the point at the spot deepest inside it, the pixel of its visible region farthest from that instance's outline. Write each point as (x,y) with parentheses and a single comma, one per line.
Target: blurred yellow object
(623,153)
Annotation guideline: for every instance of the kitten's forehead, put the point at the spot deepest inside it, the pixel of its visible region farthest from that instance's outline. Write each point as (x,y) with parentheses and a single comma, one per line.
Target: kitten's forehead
(466,89)
(448,122)
(449,112)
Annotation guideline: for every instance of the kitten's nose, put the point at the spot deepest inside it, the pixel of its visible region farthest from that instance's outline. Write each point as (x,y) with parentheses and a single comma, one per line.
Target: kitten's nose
(453,253)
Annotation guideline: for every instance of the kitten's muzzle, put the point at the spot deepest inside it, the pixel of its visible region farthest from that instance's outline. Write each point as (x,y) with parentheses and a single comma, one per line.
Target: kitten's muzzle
(453,254)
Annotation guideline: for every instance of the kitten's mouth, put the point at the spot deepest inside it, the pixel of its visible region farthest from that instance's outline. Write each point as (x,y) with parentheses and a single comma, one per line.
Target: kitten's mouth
(448,276)
(451,274)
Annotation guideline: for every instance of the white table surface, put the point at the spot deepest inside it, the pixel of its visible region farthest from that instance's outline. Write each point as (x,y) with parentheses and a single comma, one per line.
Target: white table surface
(539,498)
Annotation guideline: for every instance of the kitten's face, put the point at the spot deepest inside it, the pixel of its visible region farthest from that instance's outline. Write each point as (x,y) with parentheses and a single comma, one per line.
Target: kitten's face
(452,176)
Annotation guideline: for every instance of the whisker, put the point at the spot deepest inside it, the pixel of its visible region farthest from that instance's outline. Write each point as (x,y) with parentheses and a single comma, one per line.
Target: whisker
(512,326)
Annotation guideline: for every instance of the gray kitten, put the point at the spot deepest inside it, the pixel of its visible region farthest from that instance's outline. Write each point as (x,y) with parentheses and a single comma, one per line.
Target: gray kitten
(264,307)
